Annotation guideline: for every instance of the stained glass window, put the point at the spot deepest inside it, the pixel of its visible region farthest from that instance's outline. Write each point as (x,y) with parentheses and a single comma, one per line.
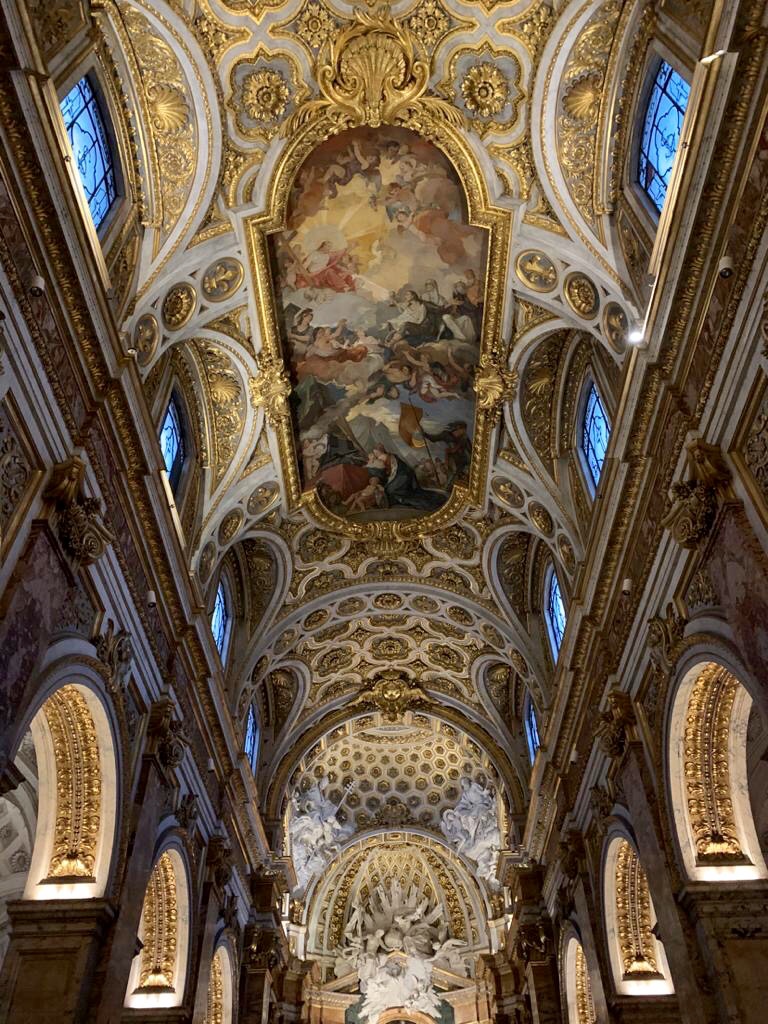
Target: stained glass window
(661,132)
(172,442)
(252,738)
(596,431)
(531,729)
(555,613)
(220,618)
(93,155)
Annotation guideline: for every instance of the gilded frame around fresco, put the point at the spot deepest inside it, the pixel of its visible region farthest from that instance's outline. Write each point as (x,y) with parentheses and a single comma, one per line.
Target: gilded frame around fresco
(371,75)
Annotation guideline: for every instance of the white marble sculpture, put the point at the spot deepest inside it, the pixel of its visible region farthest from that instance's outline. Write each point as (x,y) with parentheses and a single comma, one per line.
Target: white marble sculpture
(472,828)
(316,833)
(393,946)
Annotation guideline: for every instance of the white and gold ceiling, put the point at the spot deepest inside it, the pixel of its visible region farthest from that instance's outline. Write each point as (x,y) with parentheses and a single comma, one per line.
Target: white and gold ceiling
(543,114)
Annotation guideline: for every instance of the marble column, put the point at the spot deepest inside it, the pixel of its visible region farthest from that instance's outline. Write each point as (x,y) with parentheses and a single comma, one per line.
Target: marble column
(693,987)
(265,952)
(218,871)
(535,947)
(51,961)
(731,922)
(156,779)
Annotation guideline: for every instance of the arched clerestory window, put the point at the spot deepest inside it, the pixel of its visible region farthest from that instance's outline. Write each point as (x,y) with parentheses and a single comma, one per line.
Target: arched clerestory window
(554,611)
(595,434)
(221,616)
(662,128)
(85,124)
(251,744)
(531,728)
(172,442)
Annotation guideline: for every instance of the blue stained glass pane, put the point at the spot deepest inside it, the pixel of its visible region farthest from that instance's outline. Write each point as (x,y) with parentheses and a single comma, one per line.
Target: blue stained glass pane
(172,443)
(555,613)
(661,132)
(595,434)
(252,738)
(531,729)
(220,618)
(91,149)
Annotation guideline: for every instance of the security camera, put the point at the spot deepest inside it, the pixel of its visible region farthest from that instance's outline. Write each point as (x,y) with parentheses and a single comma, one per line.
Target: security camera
(725,267)
(626,587)
(151,599)
(36,286)
(132,353)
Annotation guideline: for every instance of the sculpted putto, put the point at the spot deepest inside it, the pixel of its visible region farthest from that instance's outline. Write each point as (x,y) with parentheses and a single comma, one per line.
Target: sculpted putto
(315,831)
(472,828)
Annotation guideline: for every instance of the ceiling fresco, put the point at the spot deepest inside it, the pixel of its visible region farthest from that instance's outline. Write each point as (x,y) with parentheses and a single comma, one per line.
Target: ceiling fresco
(380,283)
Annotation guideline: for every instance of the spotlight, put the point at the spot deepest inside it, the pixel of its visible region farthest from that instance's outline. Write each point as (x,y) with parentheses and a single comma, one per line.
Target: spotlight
(36,286)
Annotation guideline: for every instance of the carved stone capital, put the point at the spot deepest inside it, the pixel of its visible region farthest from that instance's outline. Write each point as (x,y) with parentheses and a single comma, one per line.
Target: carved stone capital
(695,500)
(166,734)
(664,635)
(263,948)
(616,723)
(219,861)
(186,811)
(115,650)
(75,518)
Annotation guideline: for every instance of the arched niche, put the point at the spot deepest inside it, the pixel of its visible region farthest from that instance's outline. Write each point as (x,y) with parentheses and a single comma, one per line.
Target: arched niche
(638,960)
(77,796)
(578,988)
(220,1006)
(159,970)
(708,779)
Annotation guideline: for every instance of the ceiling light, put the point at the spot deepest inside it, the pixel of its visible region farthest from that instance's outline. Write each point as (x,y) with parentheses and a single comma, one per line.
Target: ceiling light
(636,336)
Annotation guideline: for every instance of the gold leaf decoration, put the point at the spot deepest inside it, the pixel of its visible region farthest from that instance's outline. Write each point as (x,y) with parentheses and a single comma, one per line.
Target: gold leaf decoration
(169,108)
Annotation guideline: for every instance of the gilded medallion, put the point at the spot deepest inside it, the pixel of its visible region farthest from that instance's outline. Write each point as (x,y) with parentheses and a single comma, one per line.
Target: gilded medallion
(222,279)
(146,335)
(536,270)
(615,325)
(582,296)
(178,306)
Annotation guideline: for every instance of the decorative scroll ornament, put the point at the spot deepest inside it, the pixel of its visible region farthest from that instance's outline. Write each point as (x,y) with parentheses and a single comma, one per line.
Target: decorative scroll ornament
(695,501)
(77,519)
(370,75)
(392,693)
(615,725)
(271,388)
(664,634)
(115,650)
(494,384)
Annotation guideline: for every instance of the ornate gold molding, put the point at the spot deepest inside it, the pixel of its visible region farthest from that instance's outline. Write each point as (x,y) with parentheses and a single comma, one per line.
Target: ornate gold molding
(78,787)
(159,920)
(707,767)
(585,1006)
(371,75)
(633,912)
(214,1013)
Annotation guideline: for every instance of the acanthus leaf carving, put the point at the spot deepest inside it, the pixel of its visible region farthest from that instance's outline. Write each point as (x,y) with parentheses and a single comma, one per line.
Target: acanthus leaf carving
(695,501)
(76,519)
(615,724)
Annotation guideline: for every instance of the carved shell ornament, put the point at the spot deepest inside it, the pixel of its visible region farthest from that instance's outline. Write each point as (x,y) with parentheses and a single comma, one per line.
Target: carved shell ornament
(370,75)
(168,107)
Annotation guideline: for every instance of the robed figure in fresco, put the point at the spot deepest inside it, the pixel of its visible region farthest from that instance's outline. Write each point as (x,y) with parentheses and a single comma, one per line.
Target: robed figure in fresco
(380,285)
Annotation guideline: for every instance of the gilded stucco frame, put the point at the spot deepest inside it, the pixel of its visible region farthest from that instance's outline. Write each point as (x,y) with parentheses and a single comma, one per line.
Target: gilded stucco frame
(370,75)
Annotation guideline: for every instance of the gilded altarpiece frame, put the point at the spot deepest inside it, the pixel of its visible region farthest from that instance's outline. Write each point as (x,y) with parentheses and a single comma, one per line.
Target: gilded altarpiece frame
(371,75)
